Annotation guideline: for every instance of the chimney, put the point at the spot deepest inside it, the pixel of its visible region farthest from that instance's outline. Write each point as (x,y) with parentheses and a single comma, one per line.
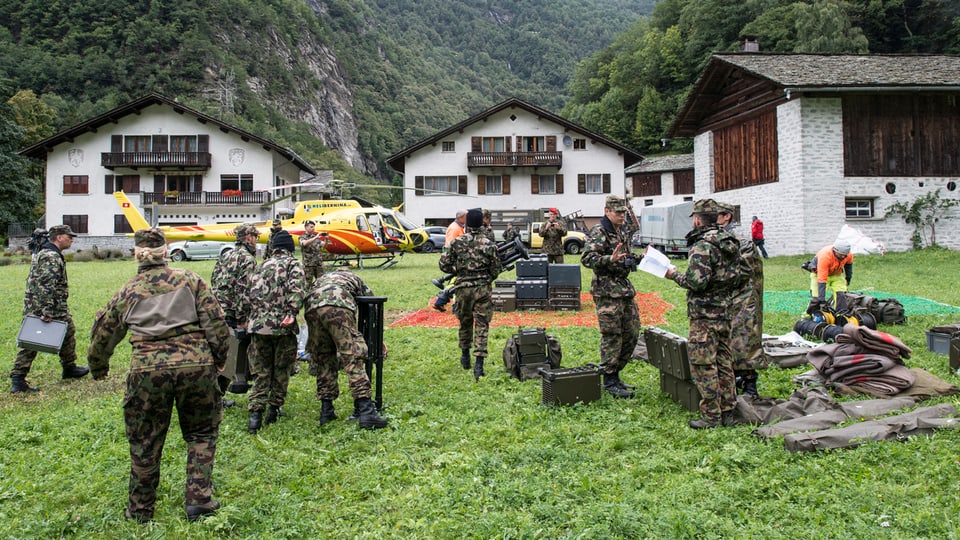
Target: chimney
(749,44)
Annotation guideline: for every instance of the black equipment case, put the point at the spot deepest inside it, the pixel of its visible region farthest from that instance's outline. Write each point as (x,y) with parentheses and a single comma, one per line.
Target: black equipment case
(36,335)
(570,385)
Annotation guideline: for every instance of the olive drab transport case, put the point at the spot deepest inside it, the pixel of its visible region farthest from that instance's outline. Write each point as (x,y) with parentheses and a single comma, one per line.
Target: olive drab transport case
(36,335)
(529,350)
(570,385)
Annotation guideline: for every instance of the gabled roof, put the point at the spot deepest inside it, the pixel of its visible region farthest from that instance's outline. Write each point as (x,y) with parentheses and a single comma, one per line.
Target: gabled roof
(39,150)
(675,162)
(811,73)
(396,161)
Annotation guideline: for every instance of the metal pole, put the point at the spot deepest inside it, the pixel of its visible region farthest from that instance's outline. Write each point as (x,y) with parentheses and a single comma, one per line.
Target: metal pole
(370,315)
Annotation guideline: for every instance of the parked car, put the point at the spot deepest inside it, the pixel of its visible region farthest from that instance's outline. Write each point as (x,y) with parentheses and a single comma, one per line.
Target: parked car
(437,237)
(192,250)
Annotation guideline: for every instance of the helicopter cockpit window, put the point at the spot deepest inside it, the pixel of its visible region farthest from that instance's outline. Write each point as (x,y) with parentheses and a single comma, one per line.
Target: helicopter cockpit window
(406,223)
(392,227)
(376,227)
(362,223)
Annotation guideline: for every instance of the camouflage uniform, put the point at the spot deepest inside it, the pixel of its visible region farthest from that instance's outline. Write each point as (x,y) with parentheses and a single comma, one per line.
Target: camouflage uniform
(331,312)
(231,279)
(473,259)
(710,309)
(179,339)
(553,233)
(276,292)
(274,229)
(46,297)
(510,234)
(614,295)
(747,323)
(312,253)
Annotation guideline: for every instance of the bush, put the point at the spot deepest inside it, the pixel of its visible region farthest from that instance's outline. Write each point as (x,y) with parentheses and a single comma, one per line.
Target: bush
(81,256)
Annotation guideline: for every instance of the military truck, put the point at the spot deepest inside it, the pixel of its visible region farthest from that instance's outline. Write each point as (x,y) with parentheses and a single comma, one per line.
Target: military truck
(528,223)
(665,225)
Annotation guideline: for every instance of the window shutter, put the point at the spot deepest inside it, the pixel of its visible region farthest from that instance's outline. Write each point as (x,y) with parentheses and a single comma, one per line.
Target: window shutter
(116,143)
(519,143)
(606,183)
(131,183)
(481,184)
(552,143)
(581,183)
(559,183)
(108,185)
(418,185)
(158,181)
(203,143)
(534,184)
(462,185)
(475,144)
(159,143)
(198,183)
(505,184)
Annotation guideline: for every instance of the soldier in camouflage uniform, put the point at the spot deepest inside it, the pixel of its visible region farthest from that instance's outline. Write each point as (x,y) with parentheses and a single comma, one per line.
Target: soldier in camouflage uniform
(179,339)
(46,298)
(713,256)
(606,252)
(487,228)
(312,245)
(510,233)
(230,282)
(276,294)
(333,341)
(553,232)
(275,227)
(473,259)
(747,324)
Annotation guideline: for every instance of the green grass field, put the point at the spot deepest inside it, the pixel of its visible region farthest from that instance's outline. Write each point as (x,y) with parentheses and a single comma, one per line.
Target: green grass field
(481,460)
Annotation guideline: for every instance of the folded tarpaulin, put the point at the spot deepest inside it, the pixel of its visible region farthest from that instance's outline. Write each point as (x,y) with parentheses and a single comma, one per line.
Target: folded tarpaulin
(802,402)
(922,421)
(859,410)
(874,341)
(948,329)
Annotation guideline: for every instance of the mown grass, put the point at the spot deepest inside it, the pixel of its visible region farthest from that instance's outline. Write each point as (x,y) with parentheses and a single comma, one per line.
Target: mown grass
(478,460)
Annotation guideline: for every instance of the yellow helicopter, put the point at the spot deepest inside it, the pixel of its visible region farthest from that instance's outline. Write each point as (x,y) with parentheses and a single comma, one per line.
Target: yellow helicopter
(357,229)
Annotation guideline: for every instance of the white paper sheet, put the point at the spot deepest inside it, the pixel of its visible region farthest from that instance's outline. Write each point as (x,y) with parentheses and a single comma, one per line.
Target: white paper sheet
(654,262)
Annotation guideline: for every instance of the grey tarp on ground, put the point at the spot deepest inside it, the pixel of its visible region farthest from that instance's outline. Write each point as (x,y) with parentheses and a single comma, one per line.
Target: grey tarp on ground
(802,402)
(860,410)
(786,351)
(922,421)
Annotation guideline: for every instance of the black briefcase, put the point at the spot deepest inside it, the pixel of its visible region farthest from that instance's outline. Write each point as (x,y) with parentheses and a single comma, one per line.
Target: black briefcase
(36,335)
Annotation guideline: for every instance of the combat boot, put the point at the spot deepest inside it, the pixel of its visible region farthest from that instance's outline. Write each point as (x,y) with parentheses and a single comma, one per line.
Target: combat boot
(20,384)
(256,421)
(705,423)
(367,412)
(478,368)
(74,371)
(731,419)
(750,387)
(140,517)
(613,385)
(465,358)
(273,412)
(327,414)
(196,511)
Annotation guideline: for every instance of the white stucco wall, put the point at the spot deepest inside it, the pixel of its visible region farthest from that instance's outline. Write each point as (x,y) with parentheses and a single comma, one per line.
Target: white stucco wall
(159,119)
(597,158)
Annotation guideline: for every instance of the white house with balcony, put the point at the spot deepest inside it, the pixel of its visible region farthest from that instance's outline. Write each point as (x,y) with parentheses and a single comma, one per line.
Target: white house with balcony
(178,165)
(513,155)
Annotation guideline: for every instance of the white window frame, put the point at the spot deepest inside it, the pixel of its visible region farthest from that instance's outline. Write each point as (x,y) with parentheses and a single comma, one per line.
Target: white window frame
(594,181)
(444,184)
(448,146)
(494,185)
(859,208)
(547,184)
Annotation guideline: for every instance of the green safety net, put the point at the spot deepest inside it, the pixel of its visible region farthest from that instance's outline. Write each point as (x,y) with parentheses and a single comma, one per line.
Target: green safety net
(797,301)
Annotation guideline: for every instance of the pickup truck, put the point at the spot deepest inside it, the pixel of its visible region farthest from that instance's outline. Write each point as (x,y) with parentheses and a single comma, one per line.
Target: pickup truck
(573,242)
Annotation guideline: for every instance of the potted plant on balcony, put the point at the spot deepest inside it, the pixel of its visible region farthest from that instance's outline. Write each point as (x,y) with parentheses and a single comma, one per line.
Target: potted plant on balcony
(171,194)
(232,193)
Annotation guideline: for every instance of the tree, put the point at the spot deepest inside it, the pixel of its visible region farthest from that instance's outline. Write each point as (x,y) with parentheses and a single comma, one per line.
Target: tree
(17,189)
(923,213)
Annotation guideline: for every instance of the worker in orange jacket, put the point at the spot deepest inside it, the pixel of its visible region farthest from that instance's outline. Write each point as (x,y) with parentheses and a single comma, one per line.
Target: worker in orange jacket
(830,272)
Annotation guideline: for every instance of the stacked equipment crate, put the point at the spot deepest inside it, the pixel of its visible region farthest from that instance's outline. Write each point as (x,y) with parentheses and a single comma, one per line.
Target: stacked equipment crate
(532,283)
(668,352)
(563,293)
(504,295)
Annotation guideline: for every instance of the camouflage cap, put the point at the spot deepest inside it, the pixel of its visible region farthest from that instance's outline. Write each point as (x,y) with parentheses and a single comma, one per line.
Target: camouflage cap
(615,203)
(705,206)
(152,237)
(244,229)
(57,230)
(486,213)
(724,208)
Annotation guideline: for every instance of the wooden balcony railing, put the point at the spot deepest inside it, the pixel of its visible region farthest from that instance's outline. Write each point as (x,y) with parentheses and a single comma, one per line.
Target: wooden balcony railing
(194,160)
(203,198)
(514,159)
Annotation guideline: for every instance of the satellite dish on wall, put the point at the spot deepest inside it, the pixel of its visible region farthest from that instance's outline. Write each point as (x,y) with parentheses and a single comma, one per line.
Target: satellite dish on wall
(567,140)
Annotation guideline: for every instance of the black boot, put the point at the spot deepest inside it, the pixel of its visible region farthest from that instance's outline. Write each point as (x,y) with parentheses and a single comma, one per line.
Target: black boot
(613,385)
(256,421)
(369,419)
(273,412)
(705,423)
(196,511)
(327,413)
(465,358)
(478,368)
(750,385)
(74,371)
(20,384)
